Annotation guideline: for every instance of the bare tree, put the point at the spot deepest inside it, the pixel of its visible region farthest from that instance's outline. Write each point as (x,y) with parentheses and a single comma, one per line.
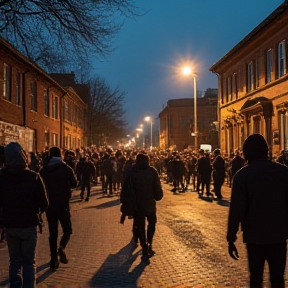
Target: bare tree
(54,33)
(106,112)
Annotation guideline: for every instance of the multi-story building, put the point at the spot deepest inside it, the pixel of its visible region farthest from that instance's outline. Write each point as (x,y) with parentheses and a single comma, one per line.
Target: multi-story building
(253,86)
(177,122)
(31,103)
(75,106)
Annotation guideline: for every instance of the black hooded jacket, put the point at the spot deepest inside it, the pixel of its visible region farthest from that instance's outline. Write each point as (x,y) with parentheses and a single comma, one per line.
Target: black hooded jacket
(59,179)
(22,193)
(147,187)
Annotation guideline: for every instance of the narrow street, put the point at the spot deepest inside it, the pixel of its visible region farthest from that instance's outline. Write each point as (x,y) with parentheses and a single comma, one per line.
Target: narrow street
(190,245)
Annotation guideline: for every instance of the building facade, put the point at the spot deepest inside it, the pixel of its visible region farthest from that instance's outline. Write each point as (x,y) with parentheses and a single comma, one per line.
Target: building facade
(253,86)
(177,122)
(31,103)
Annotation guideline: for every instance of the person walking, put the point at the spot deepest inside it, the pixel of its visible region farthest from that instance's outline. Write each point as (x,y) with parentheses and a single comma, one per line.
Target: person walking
(259,201)
(22,199)
(109,168)
(86,171)
(218,173)
(204,170)
(235,164)
(147,188)
(59,178)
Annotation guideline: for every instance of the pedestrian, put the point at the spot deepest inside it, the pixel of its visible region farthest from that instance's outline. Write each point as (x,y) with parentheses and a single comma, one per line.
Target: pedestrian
(109,168)
(59,178)
(218,173)
(86,171)
(204,169)
(259,202)
(236,164)
(147,187)
(178,172)
(22,200)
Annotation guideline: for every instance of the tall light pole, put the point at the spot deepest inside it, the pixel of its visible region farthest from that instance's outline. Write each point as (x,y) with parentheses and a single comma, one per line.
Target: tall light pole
(188,71)
(149,118)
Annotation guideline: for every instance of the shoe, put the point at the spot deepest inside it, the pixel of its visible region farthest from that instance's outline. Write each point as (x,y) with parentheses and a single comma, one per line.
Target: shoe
(151,252)
(82,196)
(54,263)
(87,199)
(62,255)
(174,190)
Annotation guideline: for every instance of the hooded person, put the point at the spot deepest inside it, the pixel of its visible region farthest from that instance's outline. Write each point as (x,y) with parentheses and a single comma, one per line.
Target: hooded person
(59,179)
(259,202)
(147,188)
(22,200)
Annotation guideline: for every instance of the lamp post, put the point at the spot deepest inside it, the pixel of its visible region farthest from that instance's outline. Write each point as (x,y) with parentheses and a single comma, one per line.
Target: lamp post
(188,71)
(149,118)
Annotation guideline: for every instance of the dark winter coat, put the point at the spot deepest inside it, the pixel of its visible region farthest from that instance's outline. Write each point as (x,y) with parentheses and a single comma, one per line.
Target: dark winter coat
(22,192)
(59,179)
(86,170)
(259,201)
(147,188)
(204,167)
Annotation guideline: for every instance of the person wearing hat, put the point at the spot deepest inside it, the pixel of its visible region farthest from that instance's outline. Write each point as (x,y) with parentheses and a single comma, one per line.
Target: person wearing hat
(259,202)
(59,179)
(22,200)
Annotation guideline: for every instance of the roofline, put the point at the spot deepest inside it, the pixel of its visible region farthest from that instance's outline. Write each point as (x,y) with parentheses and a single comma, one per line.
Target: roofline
(26,61)
(267,21)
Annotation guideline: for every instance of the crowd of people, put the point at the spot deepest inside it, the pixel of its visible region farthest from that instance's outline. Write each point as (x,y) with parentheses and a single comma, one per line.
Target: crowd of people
(34,183)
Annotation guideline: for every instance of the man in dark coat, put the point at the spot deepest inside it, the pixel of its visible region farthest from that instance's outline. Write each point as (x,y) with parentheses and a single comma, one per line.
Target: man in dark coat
(59,178)
(259,201)
(218,165)
(86,171)
(236,164)
(22,199)
(204,169)
(147,187)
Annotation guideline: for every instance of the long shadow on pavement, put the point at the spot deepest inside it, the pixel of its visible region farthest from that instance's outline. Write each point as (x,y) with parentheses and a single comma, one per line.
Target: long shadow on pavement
(105,205)
(114,272)
(45,275)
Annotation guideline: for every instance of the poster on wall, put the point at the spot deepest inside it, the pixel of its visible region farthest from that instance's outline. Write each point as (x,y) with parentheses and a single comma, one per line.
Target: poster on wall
(23,135)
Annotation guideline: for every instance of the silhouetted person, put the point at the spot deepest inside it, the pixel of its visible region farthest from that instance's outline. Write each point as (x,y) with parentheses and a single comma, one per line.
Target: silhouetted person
(218,165)
(22,200)
(259,202)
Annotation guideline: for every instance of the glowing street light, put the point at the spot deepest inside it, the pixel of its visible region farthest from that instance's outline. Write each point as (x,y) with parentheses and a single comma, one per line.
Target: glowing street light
(149,118)
(188,71)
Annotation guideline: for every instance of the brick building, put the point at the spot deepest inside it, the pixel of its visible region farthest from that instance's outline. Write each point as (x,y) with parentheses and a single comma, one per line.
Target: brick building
(177,121)
(31,103)
(253,86)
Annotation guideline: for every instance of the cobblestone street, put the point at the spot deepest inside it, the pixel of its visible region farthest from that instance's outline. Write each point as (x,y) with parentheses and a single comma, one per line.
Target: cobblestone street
(190,245)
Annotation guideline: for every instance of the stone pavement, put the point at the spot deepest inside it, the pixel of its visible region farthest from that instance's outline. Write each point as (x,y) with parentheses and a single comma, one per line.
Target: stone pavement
(190,245)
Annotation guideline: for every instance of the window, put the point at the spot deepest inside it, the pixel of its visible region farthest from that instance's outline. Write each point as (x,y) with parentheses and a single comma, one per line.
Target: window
(235,85)
(229,84)
(46,102)
(55,139)
(55,105)
(66,110)
(269,66)
(18,88)
(7,82)
(33,96)
(281,59)
(46,138)
(258,72)
(250,74)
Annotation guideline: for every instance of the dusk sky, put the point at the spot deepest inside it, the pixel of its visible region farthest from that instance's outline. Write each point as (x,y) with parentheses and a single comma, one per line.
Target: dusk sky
(172,33)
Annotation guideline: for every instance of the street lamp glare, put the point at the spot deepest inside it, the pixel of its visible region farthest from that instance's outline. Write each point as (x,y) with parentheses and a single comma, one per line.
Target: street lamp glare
(186,70)
(147,118)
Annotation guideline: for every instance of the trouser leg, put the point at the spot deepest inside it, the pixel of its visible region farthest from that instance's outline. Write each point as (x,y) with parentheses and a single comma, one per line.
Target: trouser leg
(152,220)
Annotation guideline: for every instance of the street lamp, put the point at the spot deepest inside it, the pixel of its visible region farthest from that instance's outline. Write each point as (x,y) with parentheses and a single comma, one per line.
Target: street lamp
(188,71)
(148,118)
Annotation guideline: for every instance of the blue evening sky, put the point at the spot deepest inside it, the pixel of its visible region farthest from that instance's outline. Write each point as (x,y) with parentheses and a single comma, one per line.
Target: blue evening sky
(172,33)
